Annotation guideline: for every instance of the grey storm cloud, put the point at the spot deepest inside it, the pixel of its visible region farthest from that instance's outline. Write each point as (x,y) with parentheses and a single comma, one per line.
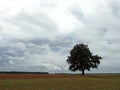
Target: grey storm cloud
(37,36)
(22,54)
(115,8)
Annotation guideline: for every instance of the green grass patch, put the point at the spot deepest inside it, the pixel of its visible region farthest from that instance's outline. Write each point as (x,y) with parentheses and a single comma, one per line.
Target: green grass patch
(88,82)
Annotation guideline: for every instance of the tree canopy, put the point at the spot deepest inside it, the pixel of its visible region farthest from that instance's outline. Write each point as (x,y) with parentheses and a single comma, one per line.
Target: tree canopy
(82,59)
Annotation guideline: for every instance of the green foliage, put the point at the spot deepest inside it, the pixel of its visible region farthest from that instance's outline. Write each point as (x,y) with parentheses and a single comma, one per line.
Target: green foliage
(82,59)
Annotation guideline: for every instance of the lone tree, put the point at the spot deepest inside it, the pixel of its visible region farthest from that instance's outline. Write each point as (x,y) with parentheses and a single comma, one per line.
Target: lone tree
(82,59)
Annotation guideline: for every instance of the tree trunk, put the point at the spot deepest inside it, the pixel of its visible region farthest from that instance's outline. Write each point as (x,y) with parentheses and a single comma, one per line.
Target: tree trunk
(83,73)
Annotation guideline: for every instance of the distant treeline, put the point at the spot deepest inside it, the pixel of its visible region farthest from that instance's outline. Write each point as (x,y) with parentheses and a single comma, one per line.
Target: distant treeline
(21,72)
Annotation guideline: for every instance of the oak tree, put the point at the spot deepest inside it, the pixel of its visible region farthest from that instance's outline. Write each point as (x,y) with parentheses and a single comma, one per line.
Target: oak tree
(82,59)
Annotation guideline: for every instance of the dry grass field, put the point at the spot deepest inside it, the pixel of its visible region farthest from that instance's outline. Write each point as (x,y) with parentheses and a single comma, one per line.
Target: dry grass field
(59,82)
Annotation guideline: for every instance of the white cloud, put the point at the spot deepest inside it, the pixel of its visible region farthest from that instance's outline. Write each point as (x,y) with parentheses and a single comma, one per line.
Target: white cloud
(40,33)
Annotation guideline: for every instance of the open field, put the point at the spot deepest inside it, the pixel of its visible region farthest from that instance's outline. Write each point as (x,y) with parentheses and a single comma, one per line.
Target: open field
(59,82)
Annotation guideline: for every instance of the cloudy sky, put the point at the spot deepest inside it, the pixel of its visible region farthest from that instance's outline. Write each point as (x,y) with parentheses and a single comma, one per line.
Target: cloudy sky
(37,35)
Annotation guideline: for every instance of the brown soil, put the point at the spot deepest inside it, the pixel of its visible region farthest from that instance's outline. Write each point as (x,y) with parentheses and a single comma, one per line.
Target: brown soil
(29,76)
